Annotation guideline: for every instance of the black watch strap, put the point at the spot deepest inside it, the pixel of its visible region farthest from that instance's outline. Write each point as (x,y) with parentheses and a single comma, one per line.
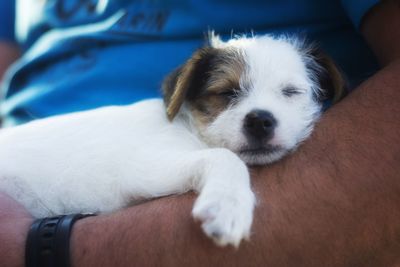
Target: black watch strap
(48,241)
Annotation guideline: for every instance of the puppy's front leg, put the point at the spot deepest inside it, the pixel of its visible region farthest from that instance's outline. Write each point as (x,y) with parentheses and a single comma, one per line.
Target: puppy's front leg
(225,204)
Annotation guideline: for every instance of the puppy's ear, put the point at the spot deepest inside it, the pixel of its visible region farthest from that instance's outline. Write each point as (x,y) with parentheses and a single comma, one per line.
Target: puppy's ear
(331,79)
(186,82)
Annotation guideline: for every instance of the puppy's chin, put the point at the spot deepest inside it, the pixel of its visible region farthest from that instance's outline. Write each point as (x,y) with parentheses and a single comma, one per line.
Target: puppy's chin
(262,156)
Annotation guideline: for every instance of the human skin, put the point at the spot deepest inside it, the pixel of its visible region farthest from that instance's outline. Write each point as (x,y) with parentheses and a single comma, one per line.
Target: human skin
(335,202)
(9,52)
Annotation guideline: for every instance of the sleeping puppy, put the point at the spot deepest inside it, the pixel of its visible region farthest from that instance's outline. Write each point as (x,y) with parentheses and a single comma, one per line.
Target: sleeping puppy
(245,101)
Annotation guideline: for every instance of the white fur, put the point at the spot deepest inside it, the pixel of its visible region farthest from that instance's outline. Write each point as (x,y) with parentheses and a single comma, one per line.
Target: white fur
(105,159)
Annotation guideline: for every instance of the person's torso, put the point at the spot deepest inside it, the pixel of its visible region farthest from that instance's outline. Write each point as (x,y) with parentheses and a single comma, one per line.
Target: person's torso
(83,54)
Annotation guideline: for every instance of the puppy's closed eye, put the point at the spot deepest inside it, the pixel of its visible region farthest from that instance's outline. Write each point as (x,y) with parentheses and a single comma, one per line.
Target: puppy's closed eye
(290,91)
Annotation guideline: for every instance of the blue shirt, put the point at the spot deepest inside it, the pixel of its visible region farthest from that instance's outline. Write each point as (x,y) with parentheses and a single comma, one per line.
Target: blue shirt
(85,54)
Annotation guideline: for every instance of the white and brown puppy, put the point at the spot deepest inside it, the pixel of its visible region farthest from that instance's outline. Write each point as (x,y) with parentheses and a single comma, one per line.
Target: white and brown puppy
(245,101)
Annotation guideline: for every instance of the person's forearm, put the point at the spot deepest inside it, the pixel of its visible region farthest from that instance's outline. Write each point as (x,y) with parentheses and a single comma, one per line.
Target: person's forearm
(335,202)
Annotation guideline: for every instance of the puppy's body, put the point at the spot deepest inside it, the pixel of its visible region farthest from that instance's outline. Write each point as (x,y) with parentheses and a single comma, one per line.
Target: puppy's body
(56,166)
(230,104)
(99,167)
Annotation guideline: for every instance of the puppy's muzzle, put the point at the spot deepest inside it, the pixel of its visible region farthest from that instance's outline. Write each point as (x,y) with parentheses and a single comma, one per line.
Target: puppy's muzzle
(259,125)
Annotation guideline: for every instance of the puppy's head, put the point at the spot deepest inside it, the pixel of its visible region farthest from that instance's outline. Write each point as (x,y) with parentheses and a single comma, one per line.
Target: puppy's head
(258,96)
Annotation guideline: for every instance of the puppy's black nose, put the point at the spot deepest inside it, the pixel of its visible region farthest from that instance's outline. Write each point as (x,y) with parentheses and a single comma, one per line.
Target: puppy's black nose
(259,124)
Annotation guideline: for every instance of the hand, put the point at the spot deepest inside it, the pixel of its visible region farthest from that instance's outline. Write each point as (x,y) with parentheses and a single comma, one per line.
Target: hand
(15,221)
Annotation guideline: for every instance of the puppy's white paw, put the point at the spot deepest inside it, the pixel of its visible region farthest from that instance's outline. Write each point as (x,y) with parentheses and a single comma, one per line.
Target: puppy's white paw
(225,217)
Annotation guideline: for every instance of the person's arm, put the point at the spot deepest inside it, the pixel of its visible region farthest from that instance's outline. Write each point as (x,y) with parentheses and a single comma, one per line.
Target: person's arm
(335,202)
(381,29)
(9,52)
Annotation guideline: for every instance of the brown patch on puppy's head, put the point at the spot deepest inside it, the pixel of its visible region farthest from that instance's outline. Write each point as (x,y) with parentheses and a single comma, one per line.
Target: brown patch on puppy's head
(208,82)
(187,79)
